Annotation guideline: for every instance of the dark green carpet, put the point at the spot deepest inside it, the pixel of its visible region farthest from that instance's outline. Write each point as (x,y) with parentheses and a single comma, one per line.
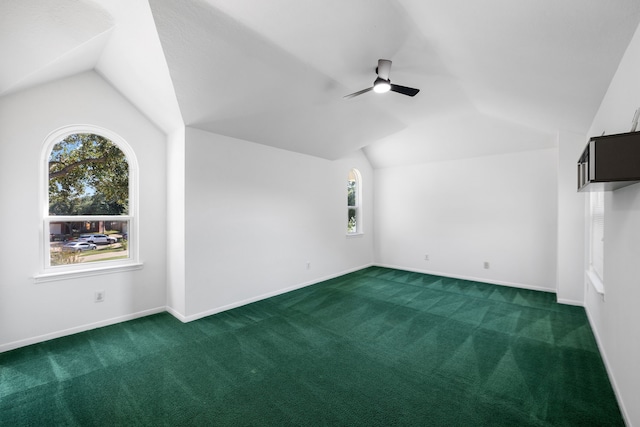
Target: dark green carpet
(376,347)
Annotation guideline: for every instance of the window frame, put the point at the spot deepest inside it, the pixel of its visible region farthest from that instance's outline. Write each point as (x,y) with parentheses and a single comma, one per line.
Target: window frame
(595,269)
(50,272)
(357,203)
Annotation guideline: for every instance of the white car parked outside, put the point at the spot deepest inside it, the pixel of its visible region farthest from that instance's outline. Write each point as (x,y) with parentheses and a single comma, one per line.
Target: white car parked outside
(78,246)
(96,238)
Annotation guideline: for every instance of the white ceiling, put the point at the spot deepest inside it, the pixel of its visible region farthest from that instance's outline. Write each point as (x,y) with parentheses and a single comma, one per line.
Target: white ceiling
(495,76)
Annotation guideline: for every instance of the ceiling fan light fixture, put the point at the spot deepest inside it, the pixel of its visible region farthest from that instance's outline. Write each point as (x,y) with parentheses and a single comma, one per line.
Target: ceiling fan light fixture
(381,85)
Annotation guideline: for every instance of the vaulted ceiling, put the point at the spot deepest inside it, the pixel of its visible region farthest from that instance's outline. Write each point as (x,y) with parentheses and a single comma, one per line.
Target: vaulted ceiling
(495,76)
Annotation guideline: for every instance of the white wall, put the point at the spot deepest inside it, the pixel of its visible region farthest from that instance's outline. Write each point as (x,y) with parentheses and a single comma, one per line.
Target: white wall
(31,312)
(255,215)
(500,209)
(616,318)
(176,285)
(571,220)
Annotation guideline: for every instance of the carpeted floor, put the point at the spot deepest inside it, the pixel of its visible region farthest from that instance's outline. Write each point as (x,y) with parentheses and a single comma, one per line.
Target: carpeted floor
(377,347)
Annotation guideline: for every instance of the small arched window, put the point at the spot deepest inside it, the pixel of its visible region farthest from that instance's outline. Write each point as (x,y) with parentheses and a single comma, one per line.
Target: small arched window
(89,202)
(354,202)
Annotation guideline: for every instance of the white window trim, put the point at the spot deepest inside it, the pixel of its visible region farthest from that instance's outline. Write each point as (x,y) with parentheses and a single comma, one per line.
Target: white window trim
(49,273)
(595,274)
(595,281)
(94,271)
(358,206)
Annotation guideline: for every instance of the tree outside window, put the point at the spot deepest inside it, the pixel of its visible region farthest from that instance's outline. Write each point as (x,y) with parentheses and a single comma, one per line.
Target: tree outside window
(353,202)
(88,201)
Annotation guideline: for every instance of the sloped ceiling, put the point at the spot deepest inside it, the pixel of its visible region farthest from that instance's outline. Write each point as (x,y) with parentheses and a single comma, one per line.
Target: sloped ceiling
(495,76)
(42,41)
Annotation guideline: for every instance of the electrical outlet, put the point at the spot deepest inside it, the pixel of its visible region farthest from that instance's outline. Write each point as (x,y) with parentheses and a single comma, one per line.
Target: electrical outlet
(426,257)
(99,296)
(486,265)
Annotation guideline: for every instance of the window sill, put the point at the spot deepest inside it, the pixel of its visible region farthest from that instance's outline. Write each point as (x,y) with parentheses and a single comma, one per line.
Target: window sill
(595,281)
(354,235)
(98,271)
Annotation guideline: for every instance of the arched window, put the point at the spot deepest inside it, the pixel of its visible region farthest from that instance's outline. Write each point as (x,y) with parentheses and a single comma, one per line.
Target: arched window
(89,200)
(354,202)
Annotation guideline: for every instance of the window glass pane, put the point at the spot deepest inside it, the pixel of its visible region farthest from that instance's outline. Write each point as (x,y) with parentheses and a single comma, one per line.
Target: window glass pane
(597,233)
(81,241)
(351,193)
(88,175)
(351,221)
(353,201)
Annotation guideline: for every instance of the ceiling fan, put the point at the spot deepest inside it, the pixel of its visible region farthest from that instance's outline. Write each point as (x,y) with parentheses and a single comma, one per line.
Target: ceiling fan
(382,83)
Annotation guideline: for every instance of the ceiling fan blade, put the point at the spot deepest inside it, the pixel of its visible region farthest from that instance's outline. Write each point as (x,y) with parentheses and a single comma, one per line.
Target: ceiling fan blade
(360,92)
(384,68)
(409,91)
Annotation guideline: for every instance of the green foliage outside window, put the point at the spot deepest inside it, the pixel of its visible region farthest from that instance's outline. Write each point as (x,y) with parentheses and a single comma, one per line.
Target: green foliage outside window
(351,221)
(351,201)
(351,193)
(88,175)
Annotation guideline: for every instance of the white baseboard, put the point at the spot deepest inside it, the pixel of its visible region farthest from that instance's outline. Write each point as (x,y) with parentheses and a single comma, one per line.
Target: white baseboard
(183,318)
(570,302)
(237,304)
(82,328)
(473,279)
(188,318)
(175,313)
(614,385)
